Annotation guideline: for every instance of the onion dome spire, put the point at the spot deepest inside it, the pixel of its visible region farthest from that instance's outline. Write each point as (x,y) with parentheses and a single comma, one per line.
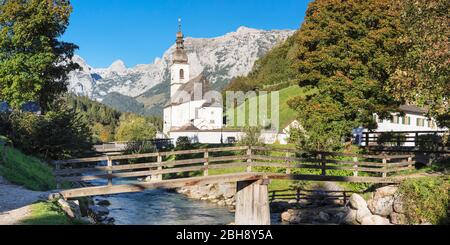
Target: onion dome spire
(180,56)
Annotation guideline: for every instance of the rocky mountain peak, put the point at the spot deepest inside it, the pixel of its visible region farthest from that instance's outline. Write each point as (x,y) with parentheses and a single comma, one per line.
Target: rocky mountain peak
(118,66)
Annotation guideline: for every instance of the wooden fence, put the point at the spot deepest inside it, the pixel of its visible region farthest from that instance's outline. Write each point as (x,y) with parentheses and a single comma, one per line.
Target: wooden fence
(299,194)
(401,138)
(274,163)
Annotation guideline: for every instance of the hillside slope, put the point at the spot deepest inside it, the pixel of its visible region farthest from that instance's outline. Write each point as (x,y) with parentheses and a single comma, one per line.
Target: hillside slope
(286,114)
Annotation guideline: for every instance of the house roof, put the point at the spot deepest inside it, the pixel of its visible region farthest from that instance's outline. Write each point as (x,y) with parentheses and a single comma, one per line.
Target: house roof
(192,128)
(188,88)
(413,109)
(212,104)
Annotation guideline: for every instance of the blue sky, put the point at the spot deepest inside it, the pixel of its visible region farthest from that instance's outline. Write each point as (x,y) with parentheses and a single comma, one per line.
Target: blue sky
(138,31)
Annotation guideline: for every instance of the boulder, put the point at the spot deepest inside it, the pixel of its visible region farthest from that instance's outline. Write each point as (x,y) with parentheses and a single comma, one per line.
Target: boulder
(286,216)
(279,206)
(339,217)
(71,208)
(350,218)
(382,206)
(398,219)
(362,213)
(324,217)
(295,220)
(291,216)
(53,196)
(398,204)
(98,212)
(375,220)
(386,191)
(104,203)
(227,190)
(109,221)
(357,202)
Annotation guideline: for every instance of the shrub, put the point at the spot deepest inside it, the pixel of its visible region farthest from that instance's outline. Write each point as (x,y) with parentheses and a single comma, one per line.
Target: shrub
(56,135)
(426,200)
(429,142)
(252,137)
(184,143)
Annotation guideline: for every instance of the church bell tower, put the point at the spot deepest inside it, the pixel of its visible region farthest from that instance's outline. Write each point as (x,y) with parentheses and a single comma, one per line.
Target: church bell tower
(179,71)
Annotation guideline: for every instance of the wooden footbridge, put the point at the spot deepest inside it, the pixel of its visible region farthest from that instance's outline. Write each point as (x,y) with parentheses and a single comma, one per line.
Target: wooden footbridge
(251,168)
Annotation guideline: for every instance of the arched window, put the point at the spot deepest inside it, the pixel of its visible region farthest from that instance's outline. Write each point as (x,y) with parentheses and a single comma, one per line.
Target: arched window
(181,74)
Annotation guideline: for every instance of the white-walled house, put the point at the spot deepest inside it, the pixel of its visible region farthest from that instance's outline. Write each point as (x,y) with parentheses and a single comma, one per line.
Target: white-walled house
(412,121)
(415,119)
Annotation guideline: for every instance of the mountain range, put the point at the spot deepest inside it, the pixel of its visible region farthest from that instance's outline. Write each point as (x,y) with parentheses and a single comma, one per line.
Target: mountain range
(144,89)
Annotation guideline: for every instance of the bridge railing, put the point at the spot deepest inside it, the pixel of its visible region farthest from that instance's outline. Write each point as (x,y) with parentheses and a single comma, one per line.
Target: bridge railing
(276,163)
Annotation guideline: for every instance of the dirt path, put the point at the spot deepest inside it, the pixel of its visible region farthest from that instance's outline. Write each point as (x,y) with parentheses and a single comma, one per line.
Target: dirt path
(15,202)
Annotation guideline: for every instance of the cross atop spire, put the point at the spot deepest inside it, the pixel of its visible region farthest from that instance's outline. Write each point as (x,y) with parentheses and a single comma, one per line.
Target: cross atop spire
(179,24)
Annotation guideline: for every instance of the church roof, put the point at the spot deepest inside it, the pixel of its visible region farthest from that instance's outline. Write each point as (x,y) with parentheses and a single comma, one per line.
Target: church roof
(188,89)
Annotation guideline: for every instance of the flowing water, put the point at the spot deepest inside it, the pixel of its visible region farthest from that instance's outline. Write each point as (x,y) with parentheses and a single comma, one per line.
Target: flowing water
(163,207)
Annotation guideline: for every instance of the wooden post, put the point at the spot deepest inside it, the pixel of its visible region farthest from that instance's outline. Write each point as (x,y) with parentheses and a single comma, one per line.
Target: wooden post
(416,140)
(385,166)
(206,156)
(323,163)
(57,168)
(110,164)
(410,161)
(367,139)
(159,160)
(252,203)
(345,197)
(288,170)
(355,160)
(249,159)
(298,195)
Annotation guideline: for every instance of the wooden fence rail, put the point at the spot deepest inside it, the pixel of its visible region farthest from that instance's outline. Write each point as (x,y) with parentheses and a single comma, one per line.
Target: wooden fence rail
(299,194)
(400,138)
(277,163)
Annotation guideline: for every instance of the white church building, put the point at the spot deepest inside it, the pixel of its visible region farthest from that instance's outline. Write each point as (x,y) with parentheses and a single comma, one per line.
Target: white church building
(192,105)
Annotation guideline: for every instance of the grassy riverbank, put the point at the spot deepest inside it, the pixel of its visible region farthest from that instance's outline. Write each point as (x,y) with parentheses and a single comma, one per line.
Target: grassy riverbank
(49,213)
(24,170)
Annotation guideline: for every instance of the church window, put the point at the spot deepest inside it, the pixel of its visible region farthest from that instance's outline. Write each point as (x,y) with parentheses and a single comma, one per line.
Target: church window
(181,74)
